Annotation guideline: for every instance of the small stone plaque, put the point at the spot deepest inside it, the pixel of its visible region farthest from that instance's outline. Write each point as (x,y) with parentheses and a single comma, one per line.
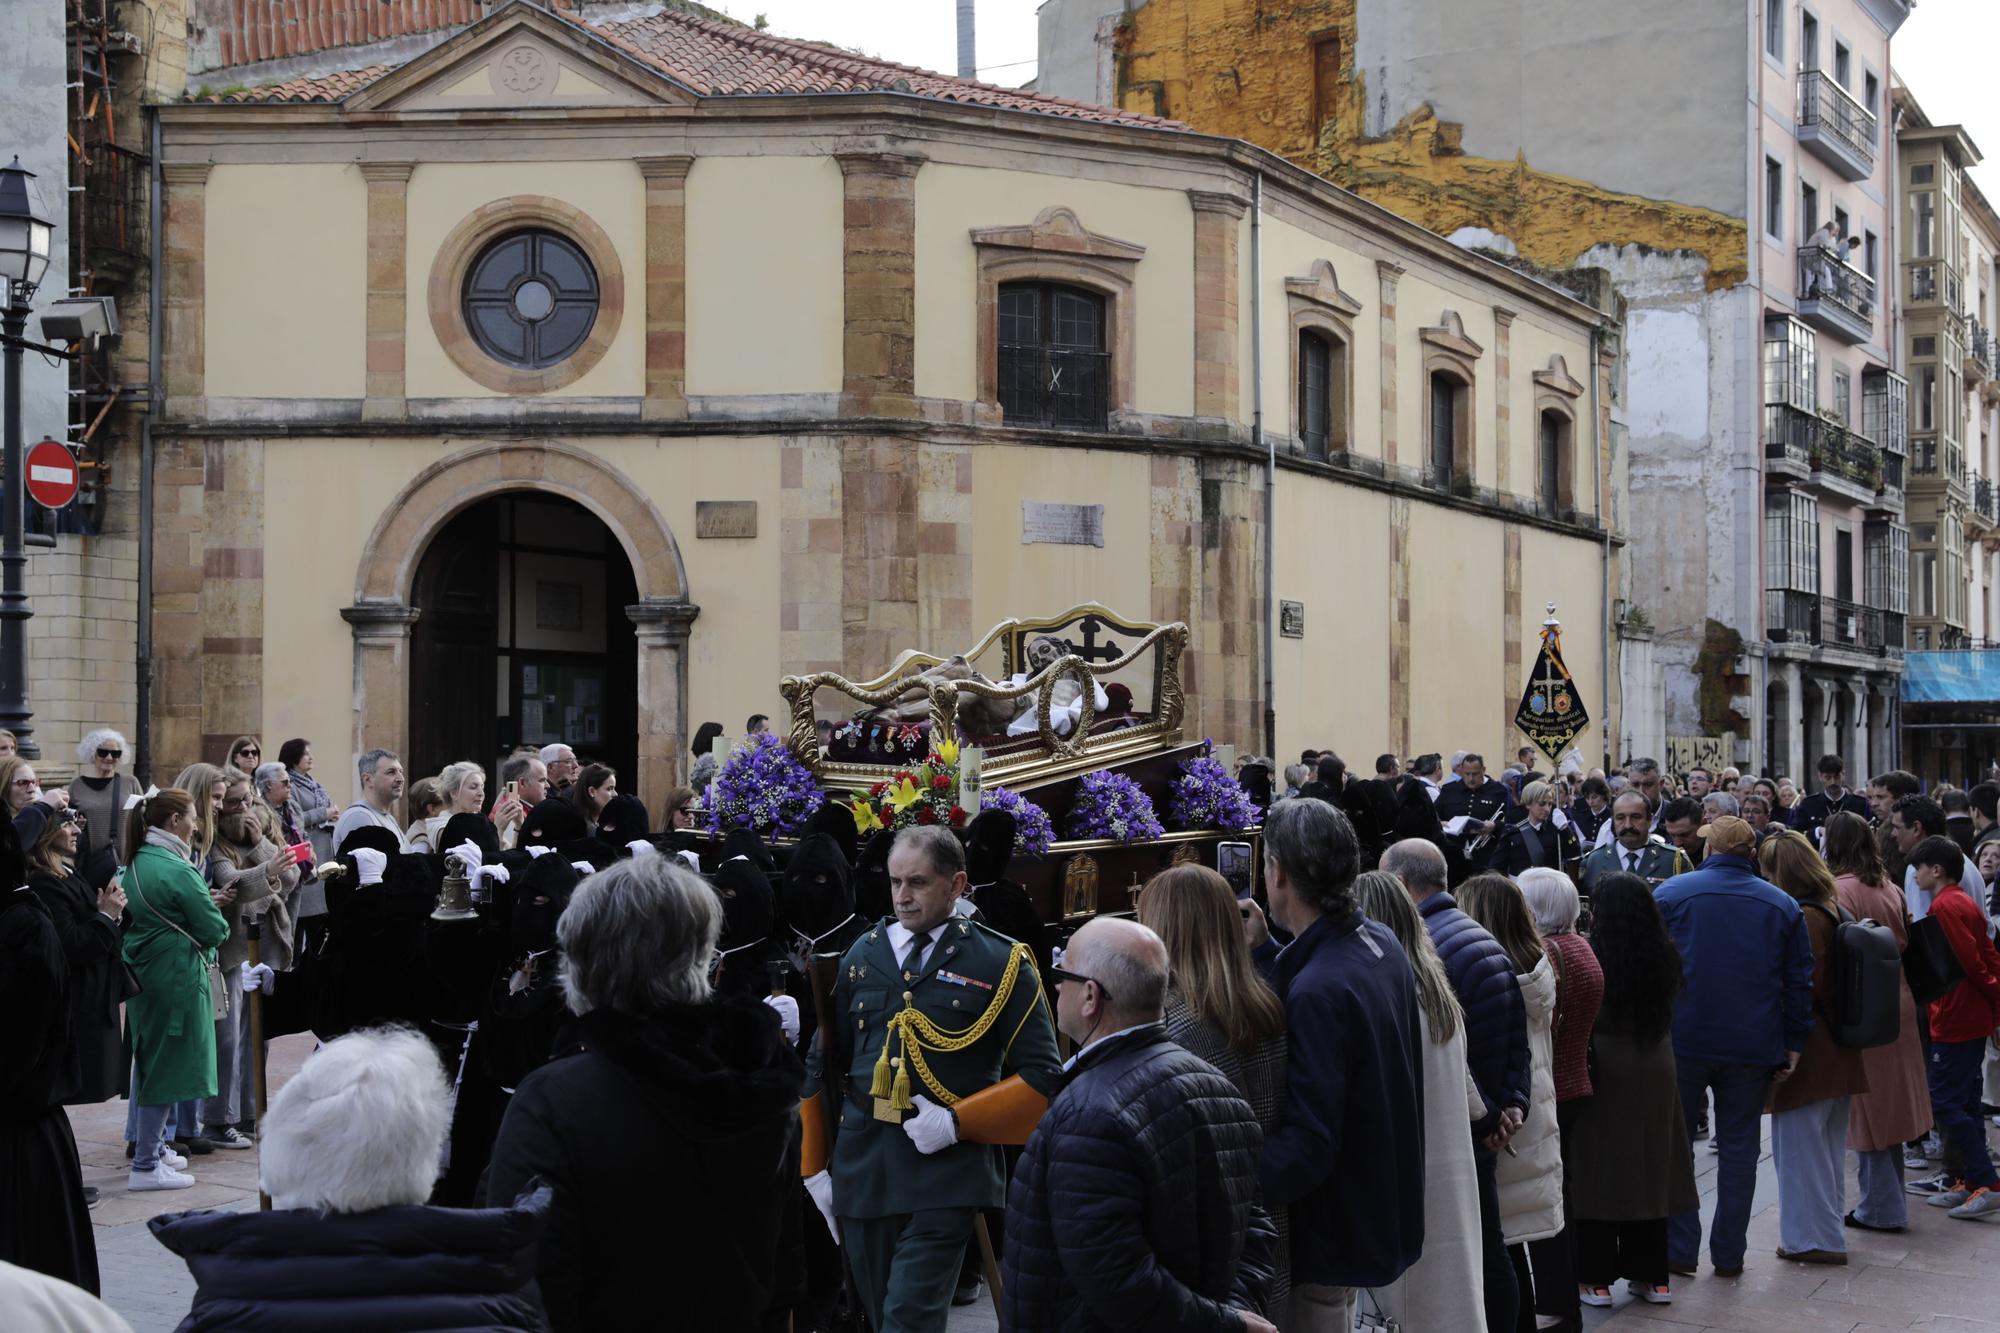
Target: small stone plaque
(725,518)
(1061,524)
(1292,619)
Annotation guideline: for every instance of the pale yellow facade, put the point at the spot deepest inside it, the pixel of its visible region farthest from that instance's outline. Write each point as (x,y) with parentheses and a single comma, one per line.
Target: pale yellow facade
(791,430)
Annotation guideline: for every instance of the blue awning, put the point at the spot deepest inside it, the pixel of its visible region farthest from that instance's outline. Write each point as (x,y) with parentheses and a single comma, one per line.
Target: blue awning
(1951,678)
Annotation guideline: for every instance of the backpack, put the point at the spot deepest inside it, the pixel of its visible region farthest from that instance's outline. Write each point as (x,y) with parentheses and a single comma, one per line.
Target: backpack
(1867,970)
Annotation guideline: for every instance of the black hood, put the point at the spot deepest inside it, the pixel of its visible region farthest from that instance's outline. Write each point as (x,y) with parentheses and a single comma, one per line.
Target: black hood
(818,889)
(745,842)
(871,876)
(540,894)
(836,821)
(552,823)
(748,905)
(475,829)
(989,846)
(372,837)
(724,1063)
(622,819)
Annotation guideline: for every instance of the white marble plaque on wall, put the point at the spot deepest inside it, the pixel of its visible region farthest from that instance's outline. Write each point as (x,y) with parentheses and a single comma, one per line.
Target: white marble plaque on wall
(1061,524)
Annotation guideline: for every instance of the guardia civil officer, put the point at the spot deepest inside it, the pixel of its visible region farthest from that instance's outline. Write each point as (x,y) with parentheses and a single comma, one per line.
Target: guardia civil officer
(942,1045)
(1633,847)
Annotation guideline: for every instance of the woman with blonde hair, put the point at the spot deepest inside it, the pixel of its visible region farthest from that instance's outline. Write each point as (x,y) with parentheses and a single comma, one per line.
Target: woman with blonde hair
(1897,1106)
(1530,1177)
(1809,1106)
(1445,1288)
(1217,1006)
(205,783)
(464,788)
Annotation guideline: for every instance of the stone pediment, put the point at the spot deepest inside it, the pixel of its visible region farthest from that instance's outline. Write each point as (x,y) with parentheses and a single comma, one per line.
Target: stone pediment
(520,59)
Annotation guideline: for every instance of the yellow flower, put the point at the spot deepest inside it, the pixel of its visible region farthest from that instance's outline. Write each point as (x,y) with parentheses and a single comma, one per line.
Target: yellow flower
(948,752)
(903,795)
(865,818)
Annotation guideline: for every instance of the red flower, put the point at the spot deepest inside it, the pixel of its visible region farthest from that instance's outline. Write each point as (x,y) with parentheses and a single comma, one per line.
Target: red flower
(926,815)
(879,789)
(940,782)
(888,814)
(957,817)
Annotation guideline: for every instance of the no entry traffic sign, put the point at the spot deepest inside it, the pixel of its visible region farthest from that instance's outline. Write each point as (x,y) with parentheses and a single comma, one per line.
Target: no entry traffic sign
(52,474)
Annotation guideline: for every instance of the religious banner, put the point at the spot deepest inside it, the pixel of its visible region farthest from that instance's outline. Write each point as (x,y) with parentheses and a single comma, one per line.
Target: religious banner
(1551,712)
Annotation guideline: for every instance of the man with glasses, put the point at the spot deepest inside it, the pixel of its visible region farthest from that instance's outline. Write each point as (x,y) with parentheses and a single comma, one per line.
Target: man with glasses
(524,785)
(940,1045)
(560,767)
(1144,1138)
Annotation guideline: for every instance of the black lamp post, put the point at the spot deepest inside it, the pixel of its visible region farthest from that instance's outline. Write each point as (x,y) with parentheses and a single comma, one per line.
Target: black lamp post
(25,232)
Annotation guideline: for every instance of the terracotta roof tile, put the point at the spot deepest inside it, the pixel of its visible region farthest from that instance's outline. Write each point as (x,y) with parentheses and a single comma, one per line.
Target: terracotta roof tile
(719,58)
(323,88)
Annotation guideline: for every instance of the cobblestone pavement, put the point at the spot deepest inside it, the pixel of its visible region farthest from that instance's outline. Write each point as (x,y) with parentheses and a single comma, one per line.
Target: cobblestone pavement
(1938,1275)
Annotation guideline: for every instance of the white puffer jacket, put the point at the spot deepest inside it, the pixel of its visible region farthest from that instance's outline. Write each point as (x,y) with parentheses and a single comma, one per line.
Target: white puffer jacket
(1531,1177)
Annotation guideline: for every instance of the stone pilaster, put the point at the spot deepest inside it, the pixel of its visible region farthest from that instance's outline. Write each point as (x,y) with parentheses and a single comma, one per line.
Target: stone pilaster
(1174,553)
(1387,274)
(810,610)
(381,676)
(1503,411)
(1399,625)
(184,290)
(662,628)
(879,487)
(1231,607)
(666,287)
(388,288)
(1217,373)
(1511,682)
(878,262)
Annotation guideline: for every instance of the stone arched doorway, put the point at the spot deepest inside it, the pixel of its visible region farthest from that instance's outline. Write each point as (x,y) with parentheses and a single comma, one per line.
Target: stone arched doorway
(383,615)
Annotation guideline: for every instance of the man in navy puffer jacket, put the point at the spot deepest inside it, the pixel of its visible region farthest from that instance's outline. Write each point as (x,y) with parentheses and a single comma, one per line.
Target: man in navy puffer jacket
(1496,1047)
(1134,1206)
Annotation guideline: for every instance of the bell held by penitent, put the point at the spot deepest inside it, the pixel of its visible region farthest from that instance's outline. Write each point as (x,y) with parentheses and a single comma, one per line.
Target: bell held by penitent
(454,895)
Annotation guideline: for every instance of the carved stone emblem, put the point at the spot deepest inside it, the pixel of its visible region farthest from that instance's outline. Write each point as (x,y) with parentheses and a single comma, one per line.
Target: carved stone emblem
(523,69)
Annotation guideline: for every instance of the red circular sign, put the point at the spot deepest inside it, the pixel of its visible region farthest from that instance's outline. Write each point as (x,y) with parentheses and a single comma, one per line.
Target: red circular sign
(52,474)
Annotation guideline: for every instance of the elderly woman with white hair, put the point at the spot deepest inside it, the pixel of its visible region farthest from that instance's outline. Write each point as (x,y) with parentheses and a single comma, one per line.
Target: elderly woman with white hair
(99,795)
(350,1148)
(1552,900)
(667,1123)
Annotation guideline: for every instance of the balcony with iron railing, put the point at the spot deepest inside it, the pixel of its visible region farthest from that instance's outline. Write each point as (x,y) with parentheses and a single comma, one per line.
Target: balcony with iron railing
(1809,619)
(1834,126)
(1834,296)
(1978,352)
(1931,282)
(1982,509)
(1825,455)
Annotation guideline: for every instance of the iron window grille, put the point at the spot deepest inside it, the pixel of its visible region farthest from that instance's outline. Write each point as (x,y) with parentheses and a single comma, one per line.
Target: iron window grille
(1054,369)
(1315,393)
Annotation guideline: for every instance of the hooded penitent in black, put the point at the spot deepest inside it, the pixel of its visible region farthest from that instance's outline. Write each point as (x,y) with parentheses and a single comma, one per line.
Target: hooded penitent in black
(749,915)
(1003,904)
(672,1142)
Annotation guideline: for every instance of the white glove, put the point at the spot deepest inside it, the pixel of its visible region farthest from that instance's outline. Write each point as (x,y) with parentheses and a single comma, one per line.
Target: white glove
(932,1128)
(370,863)
(821,1188)
(535,850)
(692,861)
(256,977)
(496,873)
(788,1014)
(584,867)
(469,853)
(640,847)
(1559,819)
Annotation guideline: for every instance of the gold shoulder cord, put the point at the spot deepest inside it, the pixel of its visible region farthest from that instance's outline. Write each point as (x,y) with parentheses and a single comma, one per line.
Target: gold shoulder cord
(919,1034)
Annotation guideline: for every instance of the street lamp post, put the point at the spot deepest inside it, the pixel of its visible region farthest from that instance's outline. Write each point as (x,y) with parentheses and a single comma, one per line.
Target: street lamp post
(25,232)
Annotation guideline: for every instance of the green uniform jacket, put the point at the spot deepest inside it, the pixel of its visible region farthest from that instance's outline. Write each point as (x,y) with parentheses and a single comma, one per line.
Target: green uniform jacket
(1657,863)
(170,1025)
(877,1171)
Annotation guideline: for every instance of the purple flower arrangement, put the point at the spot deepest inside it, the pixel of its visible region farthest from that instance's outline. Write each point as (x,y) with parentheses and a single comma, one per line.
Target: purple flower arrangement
(1205,796)
(764,787)
(1111,805)
(1032,831)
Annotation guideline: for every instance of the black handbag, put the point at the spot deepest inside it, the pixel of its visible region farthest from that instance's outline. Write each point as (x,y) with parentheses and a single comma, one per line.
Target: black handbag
(1929,964)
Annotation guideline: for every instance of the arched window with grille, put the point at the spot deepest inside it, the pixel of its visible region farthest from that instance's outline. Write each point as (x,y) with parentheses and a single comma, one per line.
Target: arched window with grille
(1054,364)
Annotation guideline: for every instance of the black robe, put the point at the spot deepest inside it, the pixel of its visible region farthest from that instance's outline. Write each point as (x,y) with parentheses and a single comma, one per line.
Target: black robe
(95,1067)
(44,1222)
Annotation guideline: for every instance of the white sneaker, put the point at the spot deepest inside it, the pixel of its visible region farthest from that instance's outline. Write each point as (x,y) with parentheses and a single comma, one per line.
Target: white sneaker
(172,1158)
(161,1177)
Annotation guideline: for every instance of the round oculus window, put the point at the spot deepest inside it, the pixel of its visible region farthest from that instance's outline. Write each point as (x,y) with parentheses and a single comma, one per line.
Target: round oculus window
(531,299)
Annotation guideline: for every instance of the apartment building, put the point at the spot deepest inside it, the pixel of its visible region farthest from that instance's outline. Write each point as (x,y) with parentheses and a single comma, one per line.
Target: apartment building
(1731,167)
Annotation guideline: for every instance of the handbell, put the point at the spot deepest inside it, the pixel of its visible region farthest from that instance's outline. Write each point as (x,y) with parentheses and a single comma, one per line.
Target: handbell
(328,870)
(454,895)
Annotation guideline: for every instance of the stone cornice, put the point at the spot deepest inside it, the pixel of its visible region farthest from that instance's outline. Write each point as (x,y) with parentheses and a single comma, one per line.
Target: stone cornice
(1213,201)
(665,170)
(185,173)
(873,162)
(389,173)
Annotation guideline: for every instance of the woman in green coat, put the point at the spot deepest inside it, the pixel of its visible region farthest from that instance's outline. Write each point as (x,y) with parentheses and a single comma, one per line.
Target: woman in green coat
(171,944)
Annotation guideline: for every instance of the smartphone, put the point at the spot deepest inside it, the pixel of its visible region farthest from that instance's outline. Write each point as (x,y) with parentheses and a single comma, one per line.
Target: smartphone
(1232,862)
(513,789)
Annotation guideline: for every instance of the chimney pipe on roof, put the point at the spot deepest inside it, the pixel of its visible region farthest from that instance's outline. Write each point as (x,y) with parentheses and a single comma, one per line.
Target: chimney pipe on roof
(968,65)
